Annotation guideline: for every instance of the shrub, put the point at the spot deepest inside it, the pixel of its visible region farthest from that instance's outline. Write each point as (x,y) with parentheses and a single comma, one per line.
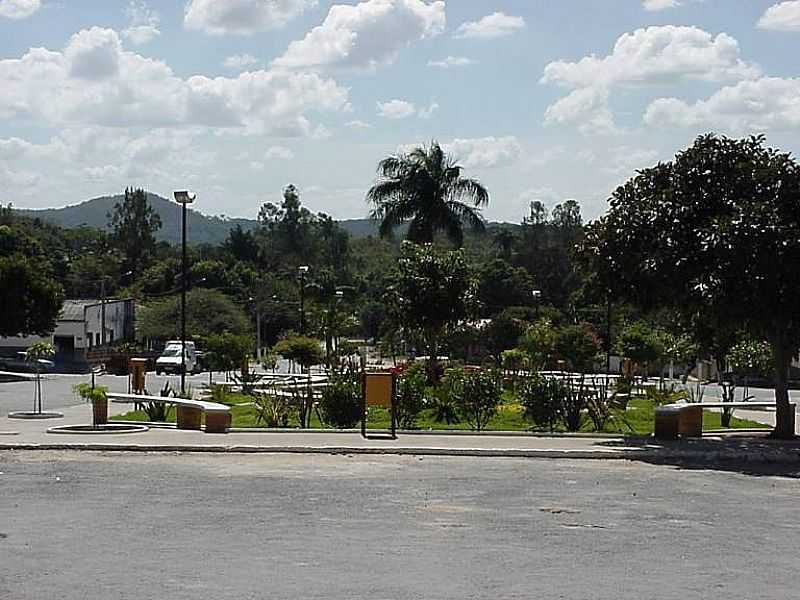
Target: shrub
(476,398)
(341,403)
(272,410)
(89,393)
(578,345)
(305,351)
(410,399)
(444,398)
(541,399)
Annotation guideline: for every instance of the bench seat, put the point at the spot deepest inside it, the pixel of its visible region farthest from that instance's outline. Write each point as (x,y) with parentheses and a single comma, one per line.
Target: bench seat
(685,419)
(189,412)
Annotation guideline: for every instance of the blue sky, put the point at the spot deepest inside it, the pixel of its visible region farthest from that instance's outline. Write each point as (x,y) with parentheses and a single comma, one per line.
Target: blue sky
(541,100)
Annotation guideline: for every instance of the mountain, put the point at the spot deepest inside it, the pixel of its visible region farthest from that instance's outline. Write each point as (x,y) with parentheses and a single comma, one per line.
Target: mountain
(202,228)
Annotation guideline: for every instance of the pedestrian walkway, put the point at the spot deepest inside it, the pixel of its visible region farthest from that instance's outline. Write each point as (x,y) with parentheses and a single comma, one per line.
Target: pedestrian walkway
(23,434)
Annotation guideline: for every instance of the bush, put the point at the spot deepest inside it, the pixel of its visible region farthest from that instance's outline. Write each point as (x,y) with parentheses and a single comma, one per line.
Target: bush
(341,403)
(272,410)
(305,351)
(410,399)
(578,345)
(444,398)
(477,395)
(89,393)
(541,399)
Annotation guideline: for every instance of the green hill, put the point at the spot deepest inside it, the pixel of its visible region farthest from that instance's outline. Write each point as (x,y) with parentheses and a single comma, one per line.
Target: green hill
(202,228)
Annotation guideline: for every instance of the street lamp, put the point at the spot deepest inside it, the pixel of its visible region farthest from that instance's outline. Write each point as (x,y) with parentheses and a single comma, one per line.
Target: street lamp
(183,198)
(537,296)
(302,271)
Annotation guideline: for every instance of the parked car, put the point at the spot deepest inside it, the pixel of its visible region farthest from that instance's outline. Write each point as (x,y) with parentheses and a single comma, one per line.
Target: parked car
(20,364)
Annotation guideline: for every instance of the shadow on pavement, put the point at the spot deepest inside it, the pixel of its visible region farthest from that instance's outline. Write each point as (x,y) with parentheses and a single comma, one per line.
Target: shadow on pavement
(753,454)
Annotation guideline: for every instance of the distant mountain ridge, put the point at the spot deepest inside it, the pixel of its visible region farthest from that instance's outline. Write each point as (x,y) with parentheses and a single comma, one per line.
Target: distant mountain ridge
(203,229)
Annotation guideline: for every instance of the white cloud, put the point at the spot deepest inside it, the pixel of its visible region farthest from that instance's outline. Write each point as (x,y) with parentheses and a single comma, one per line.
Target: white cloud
(587,108)
(485,152)
(242,17)
(278,152)
(95,81)
(450,62)
(656,5)
(19,9)
(491,26)
(655,55)
(366,35)
(396,109)
(402,109)
(769,103)
(144,23)
(358,125)
(624,160)
(238,62)
(784,16)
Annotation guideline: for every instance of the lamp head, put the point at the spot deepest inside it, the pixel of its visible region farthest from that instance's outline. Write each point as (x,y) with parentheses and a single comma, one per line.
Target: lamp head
(184,197)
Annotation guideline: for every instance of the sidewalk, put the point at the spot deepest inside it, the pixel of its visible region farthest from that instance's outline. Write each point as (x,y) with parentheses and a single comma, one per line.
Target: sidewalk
(32,435)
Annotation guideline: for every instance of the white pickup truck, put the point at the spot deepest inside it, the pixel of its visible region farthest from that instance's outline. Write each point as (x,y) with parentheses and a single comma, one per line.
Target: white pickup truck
(170,359)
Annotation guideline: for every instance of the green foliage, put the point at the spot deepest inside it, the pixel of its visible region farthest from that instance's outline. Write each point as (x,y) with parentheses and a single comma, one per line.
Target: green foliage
(502,334)
(541,397)
(425,188)
(502,285)
(476,395)
(666,395)
(514,359)
(303,350)
(430,291)
(372,317)
(272,410)
(750,358)
(208,312)
(134,223)
(578,345)
(226,351)
(539,343)
(641,343)
(89,393)
(445,396)
(39,350)
(410,399)
(30,300)
(341,403)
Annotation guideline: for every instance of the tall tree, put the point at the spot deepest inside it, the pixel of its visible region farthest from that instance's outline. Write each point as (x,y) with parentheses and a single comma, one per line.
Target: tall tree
(426,189)
(715,233)
(134,223)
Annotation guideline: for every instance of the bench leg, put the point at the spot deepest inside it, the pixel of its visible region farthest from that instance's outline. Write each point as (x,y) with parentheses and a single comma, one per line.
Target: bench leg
(218,422)
(690,423)
(666,426)
(189,417)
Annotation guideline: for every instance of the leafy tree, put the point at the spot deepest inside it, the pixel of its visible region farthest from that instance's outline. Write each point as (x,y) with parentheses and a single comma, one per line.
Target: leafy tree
(227,351)
(539,343)
(578,345)
(715,234)
(208,312)
(303,350)
(134,223)
(501,285)
(429,292)
(641,343)
(504,239)
(242,245)
(426,189)
(410,398)
(476,394)
(30,299)
(502,333)
(372,317)
(750,358)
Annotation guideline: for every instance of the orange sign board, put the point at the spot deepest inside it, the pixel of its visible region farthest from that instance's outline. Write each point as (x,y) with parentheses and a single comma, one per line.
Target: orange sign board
(378,389)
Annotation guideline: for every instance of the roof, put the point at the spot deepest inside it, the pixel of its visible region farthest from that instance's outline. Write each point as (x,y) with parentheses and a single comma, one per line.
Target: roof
(73,309)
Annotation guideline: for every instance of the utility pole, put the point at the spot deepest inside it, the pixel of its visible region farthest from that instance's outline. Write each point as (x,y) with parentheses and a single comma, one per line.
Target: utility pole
(183,198)
(103,311)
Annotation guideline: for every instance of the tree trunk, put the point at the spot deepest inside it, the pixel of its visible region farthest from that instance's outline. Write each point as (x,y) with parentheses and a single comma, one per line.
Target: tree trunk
(784,413)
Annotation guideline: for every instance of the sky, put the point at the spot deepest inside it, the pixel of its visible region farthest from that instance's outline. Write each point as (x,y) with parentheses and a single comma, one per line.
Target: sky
(539,99)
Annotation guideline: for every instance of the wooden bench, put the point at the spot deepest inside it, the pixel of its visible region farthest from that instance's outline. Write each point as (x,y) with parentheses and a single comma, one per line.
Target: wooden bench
(684,419)
(189,412)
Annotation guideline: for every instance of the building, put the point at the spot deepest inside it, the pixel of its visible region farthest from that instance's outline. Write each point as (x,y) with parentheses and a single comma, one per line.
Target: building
(80,328)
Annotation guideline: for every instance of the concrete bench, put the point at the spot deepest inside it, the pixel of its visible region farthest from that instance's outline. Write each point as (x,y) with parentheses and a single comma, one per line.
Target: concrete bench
(189,412)
(686,419)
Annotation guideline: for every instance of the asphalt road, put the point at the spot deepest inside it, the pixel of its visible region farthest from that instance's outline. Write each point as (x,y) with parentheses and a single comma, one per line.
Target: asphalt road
(75,526)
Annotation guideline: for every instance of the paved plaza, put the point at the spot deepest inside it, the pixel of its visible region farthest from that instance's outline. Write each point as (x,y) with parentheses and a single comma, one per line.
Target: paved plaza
(155,526)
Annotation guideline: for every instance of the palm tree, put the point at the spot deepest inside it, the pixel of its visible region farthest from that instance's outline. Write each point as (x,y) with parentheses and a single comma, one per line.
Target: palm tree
(425,188)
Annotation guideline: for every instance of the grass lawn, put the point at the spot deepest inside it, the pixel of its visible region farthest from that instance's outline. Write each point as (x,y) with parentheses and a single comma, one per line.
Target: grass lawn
(637,420)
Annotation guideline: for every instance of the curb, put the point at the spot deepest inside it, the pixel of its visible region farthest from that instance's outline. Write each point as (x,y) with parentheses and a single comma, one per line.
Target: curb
(646,454)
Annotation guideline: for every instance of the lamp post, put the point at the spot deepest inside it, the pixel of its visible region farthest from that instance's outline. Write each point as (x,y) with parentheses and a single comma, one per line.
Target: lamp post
(183,198)
(537,298)
(302,271)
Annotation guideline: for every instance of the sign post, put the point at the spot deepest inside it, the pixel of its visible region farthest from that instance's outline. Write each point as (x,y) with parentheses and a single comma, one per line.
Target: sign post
(378,389)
